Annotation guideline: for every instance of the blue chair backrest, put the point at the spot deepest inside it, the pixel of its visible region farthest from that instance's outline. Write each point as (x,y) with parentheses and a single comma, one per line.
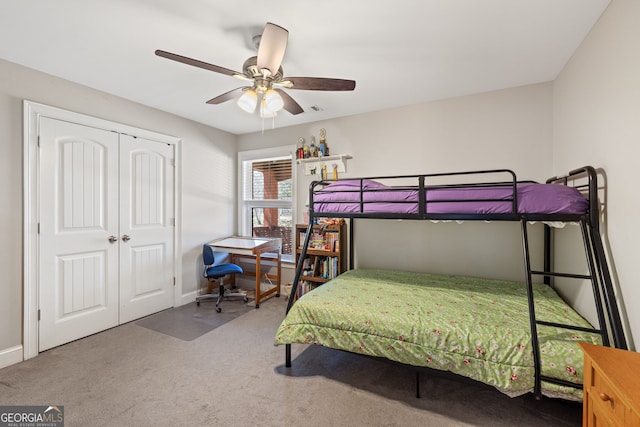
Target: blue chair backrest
(207,255)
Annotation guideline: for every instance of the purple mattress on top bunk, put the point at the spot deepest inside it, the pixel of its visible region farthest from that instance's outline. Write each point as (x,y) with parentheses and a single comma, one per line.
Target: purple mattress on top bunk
(345,196)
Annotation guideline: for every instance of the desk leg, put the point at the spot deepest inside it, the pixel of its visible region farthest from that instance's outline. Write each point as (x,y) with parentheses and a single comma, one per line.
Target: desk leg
(232,277)
(258,281)
(279,281)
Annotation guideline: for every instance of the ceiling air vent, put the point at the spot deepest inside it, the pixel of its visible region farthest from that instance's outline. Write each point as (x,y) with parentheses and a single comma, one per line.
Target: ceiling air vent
(316,108)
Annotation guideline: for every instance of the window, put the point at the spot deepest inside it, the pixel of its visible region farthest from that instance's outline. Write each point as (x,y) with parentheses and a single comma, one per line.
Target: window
(266,195)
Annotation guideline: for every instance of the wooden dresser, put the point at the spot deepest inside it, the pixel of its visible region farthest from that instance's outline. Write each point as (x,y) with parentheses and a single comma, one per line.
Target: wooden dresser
(611,387)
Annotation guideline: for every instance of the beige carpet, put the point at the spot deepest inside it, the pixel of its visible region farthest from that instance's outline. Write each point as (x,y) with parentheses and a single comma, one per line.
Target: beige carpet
(235,376)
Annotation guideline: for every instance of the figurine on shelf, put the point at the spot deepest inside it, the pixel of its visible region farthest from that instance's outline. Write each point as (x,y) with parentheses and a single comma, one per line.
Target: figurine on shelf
(324,148)
(305,151)
(312,148)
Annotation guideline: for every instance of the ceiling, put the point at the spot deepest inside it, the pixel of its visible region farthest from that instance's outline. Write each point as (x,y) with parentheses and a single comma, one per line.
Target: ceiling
(400,53)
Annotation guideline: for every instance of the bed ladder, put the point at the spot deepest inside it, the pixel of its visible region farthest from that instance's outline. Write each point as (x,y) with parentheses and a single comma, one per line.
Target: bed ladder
(602,290)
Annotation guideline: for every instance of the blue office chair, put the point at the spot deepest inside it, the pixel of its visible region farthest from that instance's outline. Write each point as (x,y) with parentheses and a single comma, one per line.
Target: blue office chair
(215,272)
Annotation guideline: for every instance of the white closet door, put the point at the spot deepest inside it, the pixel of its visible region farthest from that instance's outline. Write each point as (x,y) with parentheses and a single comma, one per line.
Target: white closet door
(106,237)
(78,213)
(146,228)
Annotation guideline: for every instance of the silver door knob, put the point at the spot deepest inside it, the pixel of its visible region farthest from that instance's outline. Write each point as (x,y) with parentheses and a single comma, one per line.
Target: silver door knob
(126,238)
(113,239)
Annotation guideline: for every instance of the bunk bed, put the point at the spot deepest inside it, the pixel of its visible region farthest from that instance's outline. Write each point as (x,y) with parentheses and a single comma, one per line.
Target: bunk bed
(517,337)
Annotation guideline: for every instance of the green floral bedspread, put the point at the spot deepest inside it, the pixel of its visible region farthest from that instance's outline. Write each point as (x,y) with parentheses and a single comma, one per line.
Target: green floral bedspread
(478,328)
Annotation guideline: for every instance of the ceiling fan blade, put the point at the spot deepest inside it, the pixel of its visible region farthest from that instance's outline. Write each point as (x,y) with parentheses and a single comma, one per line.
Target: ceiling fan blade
(273,44)
(289,103)
(196,63)
(226,96)
(320,83)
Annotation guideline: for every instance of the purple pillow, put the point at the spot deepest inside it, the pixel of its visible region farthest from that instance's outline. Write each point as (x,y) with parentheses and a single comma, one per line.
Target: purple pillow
(354,185)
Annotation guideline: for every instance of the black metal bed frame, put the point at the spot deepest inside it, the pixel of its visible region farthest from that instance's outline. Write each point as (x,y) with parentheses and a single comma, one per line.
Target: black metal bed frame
(610,324)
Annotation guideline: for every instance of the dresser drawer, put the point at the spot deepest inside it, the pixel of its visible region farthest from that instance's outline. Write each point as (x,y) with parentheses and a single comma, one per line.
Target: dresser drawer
(606,402)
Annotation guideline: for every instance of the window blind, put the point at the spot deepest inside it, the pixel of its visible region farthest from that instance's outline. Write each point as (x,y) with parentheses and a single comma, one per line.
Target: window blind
(268,180)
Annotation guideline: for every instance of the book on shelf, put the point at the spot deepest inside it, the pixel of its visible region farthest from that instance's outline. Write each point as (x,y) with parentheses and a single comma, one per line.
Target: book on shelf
(324,259)
(327,267)
(328,241)
(305,287)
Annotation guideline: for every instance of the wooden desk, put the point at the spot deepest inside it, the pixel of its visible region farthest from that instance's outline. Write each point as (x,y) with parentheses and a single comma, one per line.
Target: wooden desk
(611,387)
(258,248)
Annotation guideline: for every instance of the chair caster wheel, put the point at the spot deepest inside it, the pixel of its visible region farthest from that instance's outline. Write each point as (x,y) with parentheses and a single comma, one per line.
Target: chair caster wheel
(245,299)
(198,303)
(277,295)
(218,309)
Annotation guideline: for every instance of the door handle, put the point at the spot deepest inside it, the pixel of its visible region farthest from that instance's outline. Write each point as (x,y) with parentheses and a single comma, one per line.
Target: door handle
(113,239)
(126,238)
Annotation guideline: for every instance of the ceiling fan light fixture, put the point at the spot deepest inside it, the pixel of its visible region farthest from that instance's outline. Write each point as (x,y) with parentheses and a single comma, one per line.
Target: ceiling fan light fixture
(248,101)
(264,71)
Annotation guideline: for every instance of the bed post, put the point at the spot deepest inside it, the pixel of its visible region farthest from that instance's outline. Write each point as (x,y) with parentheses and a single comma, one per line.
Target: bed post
(287,355)
(351,236)
(547,252)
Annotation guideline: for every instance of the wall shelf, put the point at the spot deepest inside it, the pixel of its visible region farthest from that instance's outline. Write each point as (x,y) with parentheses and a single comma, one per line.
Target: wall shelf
(313,165)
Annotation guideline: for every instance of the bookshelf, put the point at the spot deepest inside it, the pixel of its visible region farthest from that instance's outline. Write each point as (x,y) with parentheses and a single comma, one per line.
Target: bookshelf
(326,254)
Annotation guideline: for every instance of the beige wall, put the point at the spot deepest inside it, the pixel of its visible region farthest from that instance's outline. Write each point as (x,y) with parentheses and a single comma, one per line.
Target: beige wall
(597,121)
(510,128)
(208,182)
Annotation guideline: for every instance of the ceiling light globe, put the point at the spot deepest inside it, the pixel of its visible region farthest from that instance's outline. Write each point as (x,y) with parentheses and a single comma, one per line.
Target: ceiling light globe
(273,101)
(248,101)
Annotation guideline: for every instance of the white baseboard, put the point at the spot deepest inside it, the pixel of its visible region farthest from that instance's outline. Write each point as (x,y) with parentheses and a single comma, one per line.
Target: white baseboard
(10,356)
(188,297)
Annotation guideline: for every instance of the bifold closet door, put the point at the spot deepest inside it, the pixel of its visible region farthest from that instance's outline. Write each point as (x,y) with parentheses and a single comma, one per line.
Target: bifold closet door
(106,234)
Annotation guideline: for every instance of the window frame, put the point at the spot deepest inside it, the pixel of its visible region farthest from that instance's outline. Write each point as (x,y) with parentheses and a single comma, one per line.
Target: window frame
(245,225)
